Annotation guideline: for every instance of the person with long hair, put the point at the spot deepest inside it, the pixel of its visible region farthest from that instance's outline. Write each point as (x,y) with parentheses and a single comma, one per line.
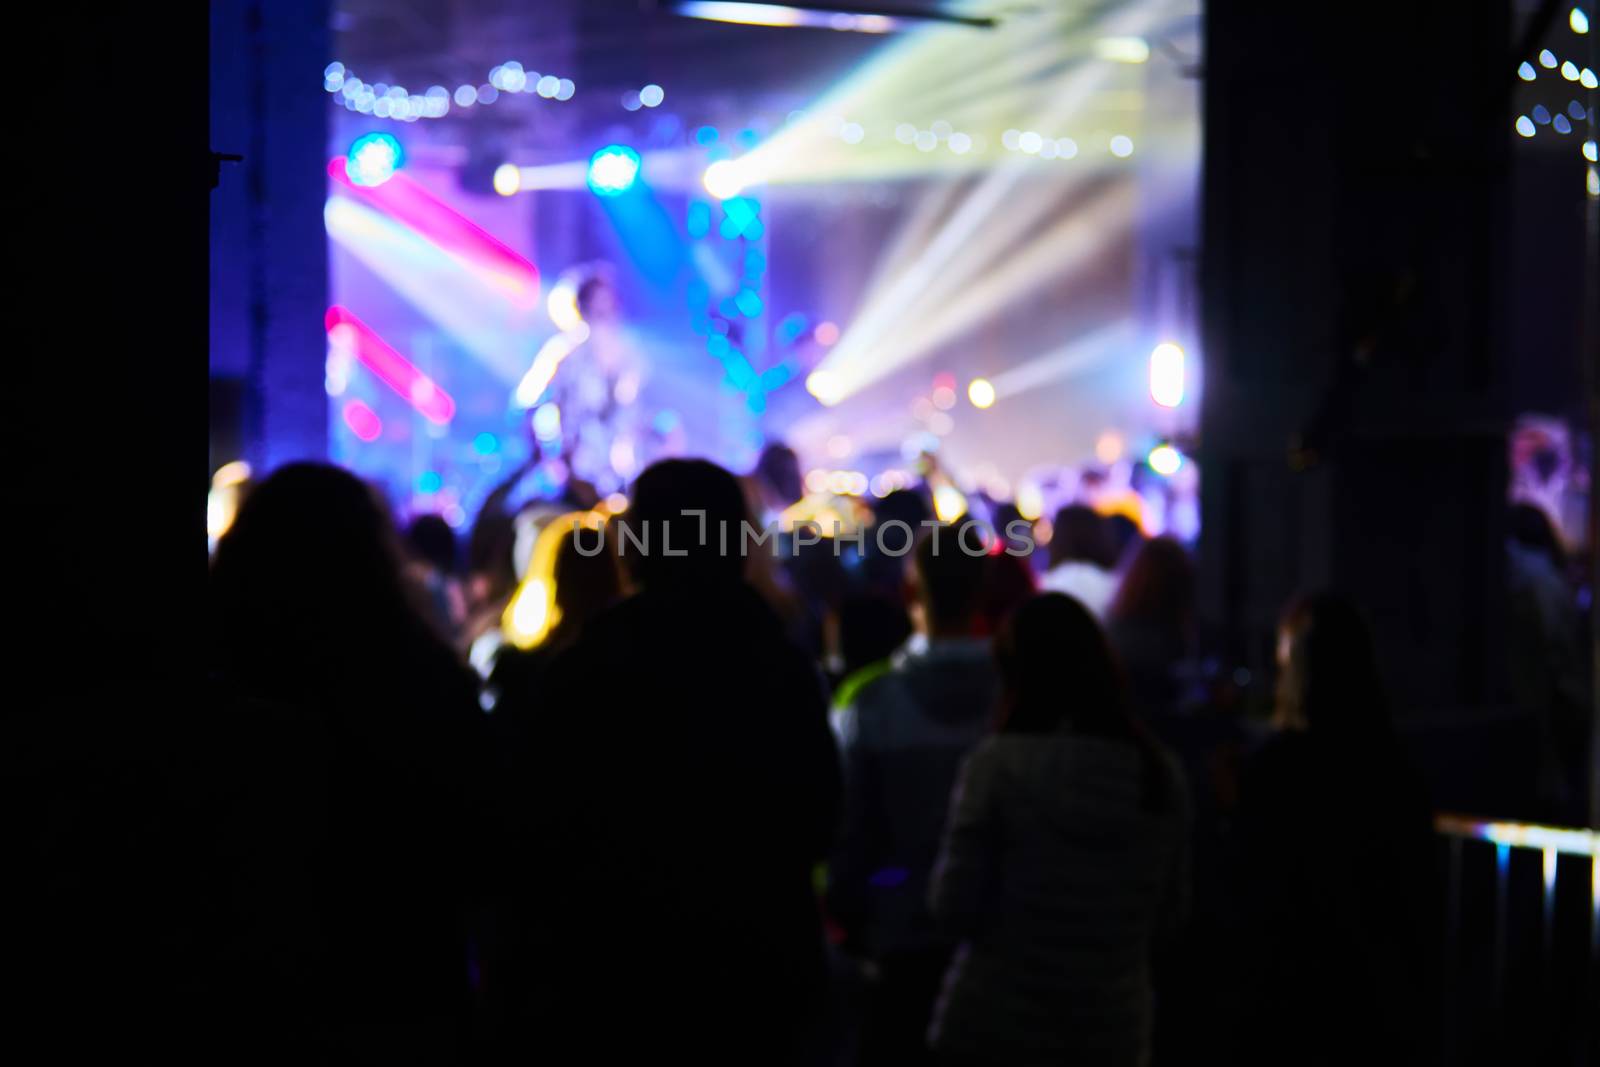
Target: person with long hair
(351,748)
(1150,623)
(1336,850)
(1063,857)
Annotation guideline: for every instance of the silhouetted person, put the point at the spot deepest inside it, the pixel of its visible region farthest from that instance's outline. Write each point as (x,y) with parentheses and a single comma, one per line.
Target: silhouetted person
(435,556)
(1337,849)
(681,786)
(1150,623)
(349,766)
(1081,558)
(1062,859)
(904,734)
(899,517)
(1546,657)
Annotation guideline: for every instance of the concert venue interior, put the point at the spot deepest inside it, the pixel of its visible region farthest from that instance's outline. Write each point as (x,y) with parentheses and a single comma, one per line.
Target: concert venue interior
(1261,342)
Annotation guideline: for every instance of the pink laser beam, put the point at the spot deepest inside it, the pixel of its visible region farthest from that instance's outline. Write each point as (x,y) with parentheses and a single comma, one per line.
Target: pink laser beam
(347,331)
(409,203)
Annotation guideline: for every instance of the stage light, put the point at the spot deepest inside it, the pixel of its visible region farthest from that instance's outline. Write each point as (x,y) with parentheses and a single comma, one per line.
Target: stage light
(347,331)
(1525,126)
(466,95)
(723,179)
(981,393)
(612,170)
(1541,114)
(1122,49)
(1165,460)
(960,143)
(631,101)
(1589,151)
(1012,139)
(1592,182)
(824,386)
(1121,146)
(507,179)
(1578,21)
(362,420)
(851,133)
(373,159)
(548,86)
(1547,59)
(944,397)
(759,14)
(949,503)
(1587,79)
(565,89)
(485,444)
(1578,112)
(1526,71)
(1569,71)
(1030,142)
(926,141)
(652,95)
(1166,374)
(547,422)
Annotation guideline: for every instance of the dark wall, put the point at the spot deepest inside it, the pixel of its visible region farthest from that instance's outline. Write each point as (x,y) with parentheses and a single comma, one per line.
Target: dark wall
(1354,321)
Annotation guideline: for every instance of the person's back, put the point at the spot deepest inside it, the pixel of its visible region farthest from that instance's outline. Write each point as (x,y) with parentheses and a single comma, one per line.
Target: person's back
(1081,557)
(1062,859)
(352,751)
(1335,883)
(904,734)
(681,786)
(1059,880)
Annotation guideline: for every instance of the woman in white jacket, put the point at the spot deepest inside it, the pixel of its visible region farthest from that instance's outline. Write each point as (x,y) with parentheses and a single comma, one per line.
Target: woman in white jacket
(1063,855)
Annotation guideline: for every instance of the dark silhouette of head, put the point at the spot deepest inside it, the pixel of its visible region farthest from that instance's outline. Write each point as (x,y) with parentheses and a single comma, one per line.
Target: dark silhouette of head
(693,509)
(306,584)
(952,564)
(1079,535)
(1158,586)
(778,470)
(432,541)
(1125,535)
(1530,527)
(1058,674)
(1009,585)
(902,505)
(1328,678)
(586,575)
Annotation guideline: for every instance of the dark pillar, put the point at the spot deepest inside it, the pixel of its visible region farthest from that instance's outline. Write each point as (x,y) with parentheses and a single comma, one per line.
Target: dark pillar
(1352,424)
(269,259)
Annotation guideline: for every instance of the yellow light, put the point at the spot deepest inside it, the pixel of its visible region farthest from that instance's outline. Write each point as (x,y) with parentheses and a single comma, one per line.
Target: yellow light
(724,179)
(532,612)
(1165,460)
(507,179)
(1030,501)
(1122,49)
(616,504)
(981,393)
(1578,21)
(948,503)
(233,473)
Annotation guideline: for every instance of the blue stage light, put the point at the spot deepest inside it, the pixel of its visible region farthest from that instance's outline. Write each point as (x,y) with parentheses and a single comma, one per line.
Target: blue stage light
(373,159)
(613,169)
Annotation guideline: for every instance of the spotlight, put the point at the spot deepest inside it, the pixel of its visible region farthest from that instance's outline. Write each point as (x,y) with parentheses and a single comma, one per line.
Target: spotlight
(981,393)
(612,170)
(373,159)
(507,179)
(723,179)
(1165,460)
(1166,375)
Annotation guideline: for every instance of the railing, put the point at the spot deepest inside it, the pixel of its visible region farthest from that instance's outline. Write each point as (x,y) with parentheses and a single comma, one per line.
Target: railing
(1556,963)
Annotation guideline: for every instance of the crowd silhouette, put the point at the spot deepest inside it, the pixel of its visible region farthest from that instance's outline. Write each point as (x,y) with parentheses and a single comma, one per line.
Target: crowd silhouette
(724,801)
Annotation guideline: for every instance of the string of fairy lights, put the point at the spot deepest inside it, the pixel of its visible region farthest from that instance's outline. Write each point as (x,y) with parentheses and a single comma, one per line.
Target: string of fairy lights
(1563,120)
